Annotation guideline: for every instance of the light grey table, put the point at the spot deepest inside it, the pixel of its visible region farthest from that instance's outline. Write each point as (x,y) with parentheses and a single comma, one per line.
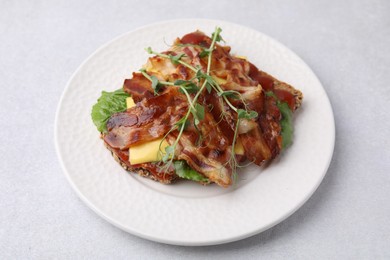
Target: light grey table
(346,43)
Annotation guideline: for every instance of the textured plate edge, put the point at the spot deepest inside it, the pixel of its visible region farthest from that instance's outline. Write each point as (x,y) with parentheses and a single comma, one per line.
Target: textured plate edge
(189,243)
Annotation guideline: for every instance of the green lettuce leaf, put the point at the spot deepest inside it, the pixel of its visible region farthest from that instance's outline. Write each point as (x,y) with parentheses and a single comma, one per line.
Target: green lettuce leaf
(186,172)
(109,103)
(286,124)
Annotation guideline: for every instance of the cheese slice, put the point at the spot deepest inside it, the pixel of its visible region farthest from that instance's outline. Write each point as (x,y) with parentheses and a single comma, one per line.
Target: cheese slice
(130,102)
(147,152)
(219,80)
(241,57)
(150,151)
(239,148)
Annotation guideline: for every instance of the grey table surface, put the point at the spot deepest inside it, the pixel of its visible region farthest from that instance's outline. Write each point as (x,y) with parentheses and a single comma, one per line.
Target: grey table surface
(346,43)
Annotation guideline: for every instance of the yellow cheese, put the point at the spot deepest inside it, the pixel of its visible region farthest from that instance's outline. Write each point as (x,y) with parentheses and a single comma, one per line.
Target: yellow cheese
(239,148)
(219,80)
(241,57)
(130,102)
(147,152)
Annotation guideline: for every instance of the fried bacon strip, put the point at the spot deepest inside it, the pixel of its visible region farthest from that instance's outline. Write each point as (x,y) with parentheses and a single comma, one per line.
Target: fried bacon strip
(206,151)
(208,147)
(149,120)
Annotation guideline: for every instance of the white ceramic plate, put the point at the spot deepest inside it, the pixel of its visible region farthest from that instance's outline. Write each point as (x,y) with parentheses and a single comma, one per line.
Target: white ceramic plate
(186,213)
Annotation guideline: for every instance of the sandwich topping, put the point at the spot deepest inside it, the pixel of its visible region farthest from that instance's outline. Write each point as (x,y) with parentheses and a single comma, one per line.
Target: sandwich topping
(196,112)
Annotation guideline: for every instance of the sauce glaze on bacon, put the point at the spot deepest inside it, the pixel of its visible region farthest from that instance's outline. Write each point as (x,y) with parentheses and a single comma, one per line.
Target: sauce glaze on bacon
(154,116)
(150,119)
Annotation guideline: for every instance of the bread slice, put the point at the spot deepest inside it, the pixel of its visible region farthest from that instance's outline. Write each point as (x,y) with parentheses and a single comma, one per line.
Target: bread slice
(145,170)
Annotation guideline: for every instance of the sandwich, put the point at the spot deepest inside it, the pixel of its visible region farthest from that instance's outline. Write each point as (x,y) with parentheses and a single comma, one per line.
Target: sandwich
(197,112)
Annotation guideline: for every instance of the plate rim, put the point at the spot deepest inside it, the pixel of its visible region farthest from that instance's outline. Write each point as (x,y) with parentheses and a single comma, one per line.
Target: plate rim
(332,131)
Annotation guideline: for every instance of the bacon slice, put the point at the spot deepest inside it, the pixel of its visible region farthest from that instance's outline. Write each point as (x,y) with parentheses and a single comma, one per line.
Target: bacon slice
(282,90)
(138,87)
(207,148)
(217,109)
(208,155)
(149,120)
